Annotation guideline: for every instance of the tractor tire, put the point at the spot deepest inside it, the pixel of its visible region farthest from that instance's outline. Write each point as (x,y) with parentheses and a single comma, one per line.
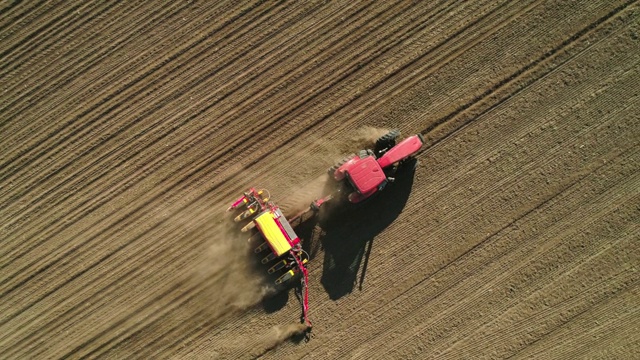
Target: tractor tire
(335,167)
(386,142)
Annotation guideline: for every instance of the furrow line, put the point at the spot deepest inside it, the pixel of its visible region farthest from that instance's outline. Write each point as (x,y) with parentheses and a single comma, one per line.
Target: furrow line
(135,328)
(520,75)
(117,65)
(372,106)
(548,158)
(385,82)
(531,167)
(391,251)
(435,235)
(147,316)
(72,64)
(333,113)
(416,70)
(538,256)
(605,321)
(30,69)
(62,108)
(9,16)
(572,312)
(469,254)
(556,147)
(101,159)
(110,292)
(480,334)
(114,325)
(104,105)
(478,73)
(29,45)
(51,17)
(545,158)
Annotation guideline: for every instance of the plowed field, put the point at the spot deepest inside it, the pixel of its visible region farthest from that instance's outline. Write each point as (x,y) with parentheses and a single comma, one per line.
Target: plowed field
(126,129)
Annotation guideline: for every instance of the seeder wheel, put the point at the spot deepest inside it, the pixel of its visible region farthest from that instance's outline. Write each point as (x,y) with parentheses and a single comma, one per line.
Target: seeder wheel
(279,265)
(243,215)
(268,258)
(261,248)
(248,227)
(285,277)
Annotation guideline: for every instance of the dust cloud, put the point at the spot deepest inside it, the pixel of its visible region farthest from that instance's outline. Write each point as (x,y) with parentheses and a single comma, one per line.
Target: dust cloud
(279,334)
(301,196)
(363,138)
(233,282)
(370,133)
(228,275)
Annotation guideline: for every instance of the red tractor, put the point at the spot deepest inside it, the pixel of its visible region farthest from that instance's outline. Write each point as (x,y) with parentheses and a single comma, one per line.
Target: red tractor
(361,176)
(358,178)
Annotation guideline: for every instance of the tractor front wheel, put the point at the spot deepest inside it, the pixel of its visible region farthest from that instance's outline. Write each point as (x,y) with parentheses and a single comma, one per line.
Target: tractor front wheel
(386,142)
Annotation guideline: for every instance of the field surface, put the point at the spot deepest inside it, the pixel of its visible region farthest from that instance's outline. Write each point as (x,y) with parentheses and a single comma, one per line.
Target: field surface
(127,128)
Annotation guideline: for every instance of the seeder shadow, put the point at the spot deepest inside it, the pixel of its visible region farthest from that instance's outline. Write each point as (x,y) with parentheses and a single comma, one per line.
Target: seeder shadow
(349,231)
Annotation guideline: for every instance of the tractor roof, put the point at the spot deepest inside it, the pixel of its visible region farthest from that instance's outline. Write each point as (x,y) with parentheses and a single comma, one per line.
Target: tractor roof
(366,174)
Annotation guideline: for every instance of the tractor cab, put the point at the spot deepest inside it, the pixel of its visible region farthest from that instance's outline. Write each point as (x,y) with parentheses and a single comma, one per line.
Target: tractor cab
(366,176)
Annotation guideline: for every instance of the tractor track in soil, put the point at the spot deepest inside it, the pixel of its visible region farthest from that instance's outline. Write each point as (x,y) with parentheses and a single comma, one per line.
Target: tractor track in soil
(126,129)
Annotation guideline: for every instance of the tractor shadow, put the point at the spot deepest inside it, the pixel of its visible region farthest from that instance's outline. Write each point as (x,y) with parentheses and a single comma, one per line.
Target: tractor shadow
(345,233)
(348,232)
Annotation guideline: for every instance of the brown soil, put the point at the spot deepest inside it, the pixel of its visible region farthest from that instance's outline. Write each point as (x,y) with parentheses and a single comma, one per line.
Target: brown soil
(127,128)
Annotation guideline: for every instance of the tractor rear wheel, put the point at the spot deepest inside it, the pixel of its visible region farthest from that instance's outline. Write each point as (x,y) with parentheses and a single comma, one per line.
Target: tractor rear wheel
(335,167)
